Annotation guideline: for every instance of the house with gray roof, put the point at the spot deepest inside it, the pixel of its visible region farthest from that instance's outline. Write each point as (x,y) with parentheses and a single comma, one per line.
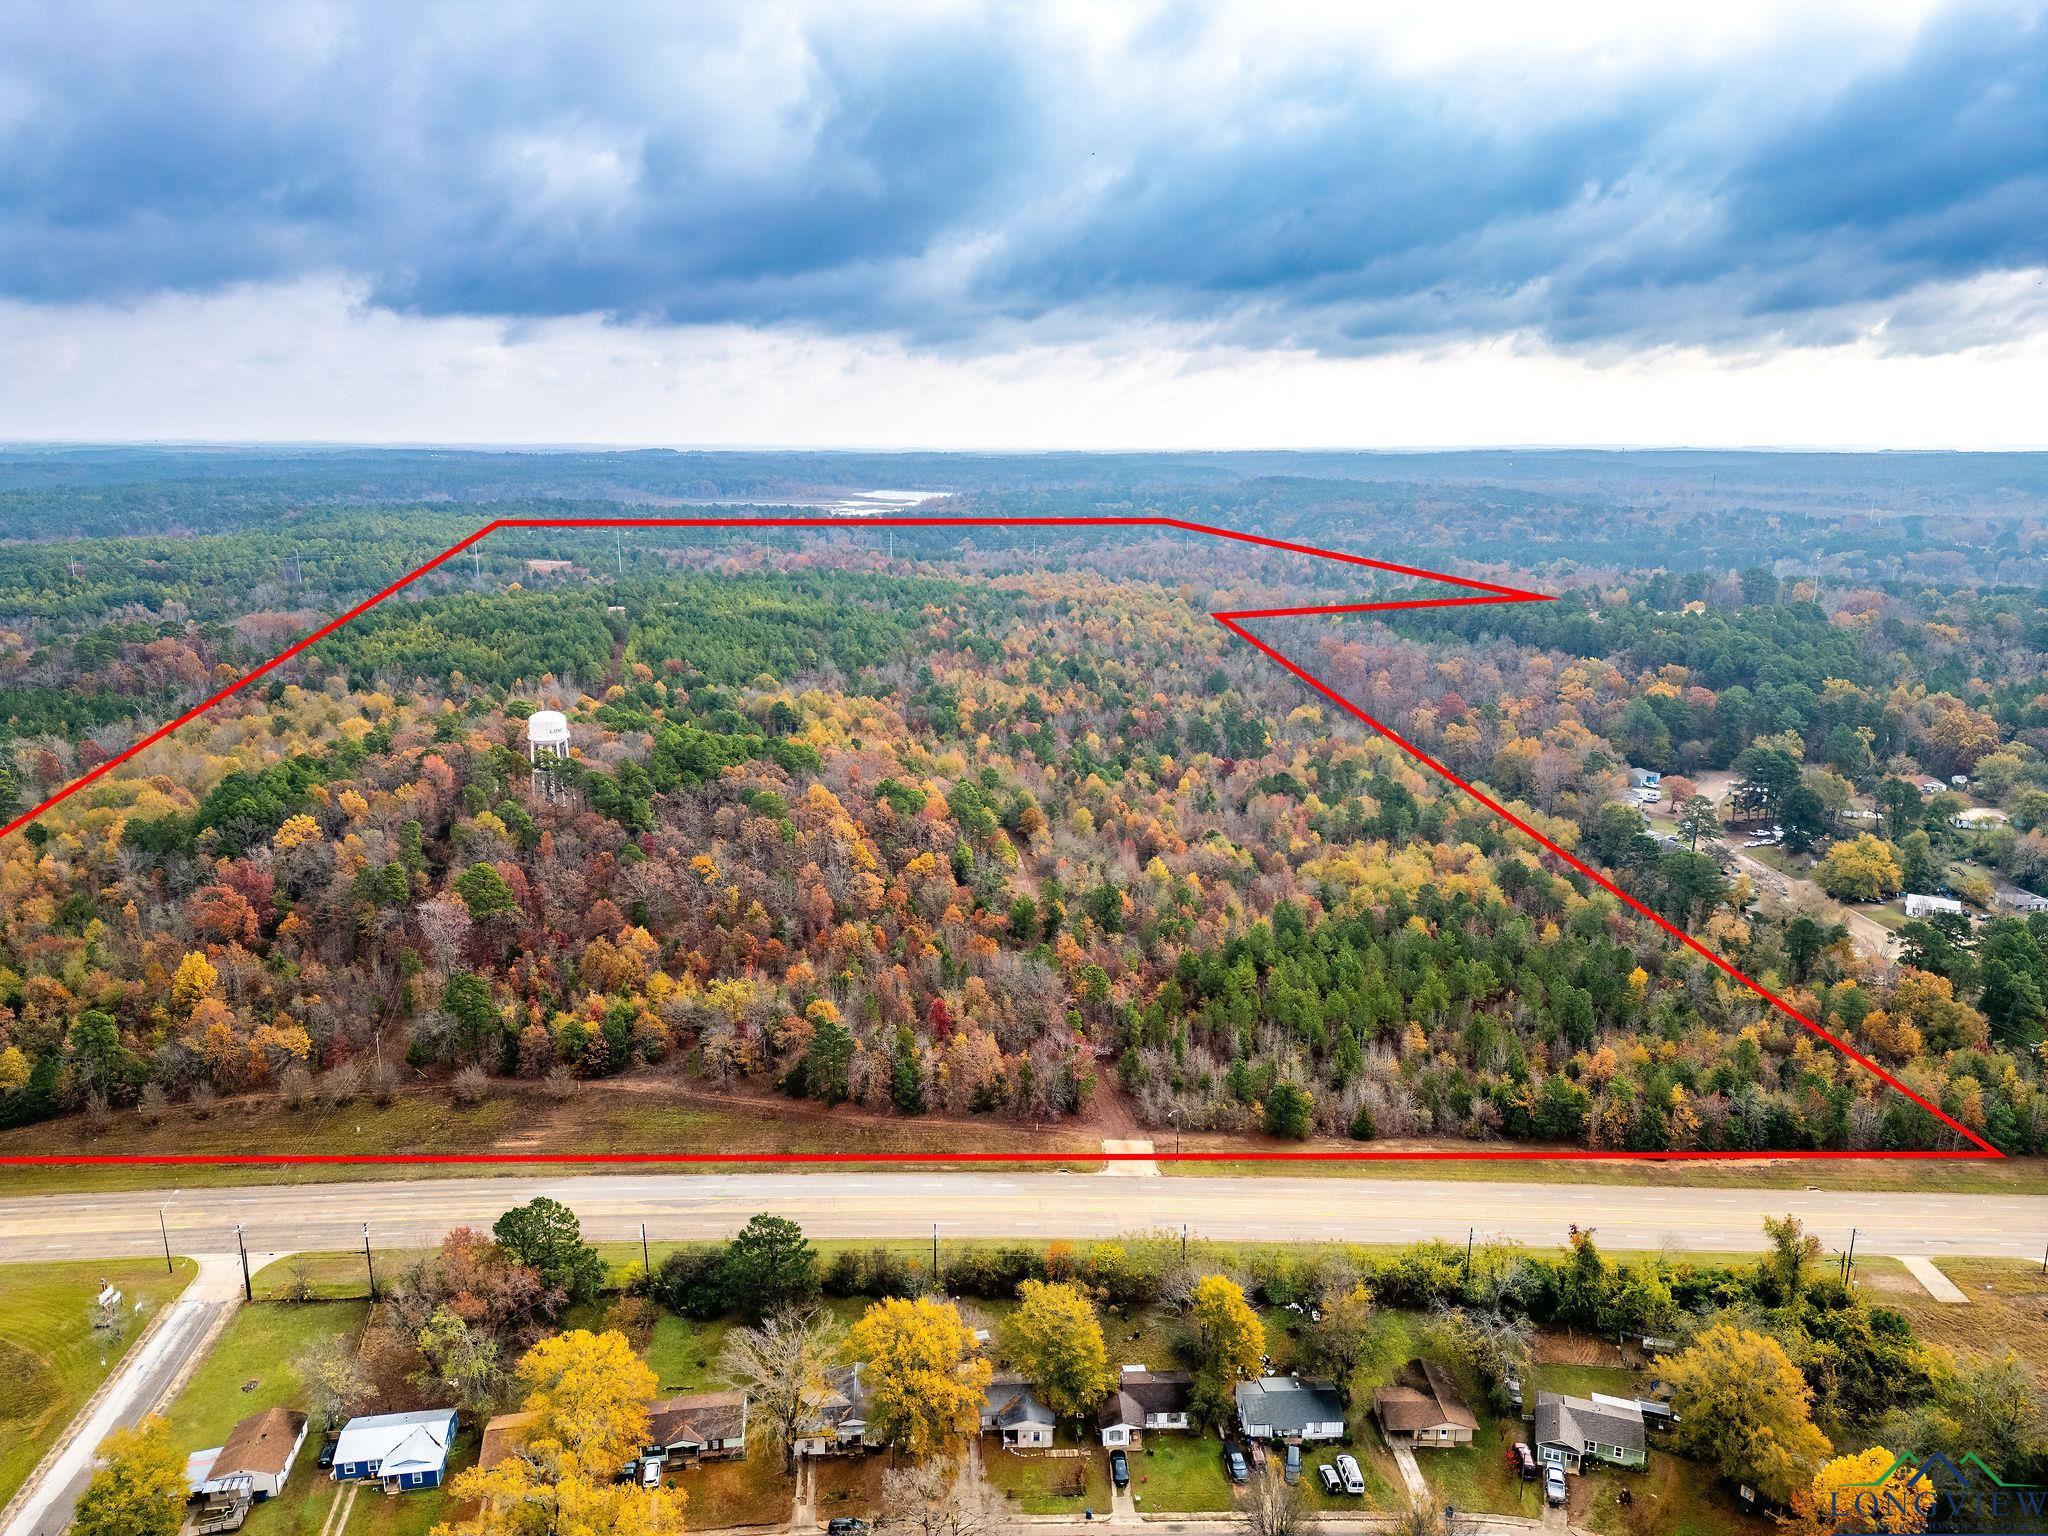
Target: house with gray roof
(1013,1411)
(1144,1400)
(1290,1408)
(840,1418)
(1571,1431)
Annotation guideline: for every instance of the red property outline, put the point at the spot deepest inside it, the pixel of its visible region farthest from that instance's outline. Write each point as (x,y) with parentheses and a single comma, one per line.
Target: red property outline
(1233,621)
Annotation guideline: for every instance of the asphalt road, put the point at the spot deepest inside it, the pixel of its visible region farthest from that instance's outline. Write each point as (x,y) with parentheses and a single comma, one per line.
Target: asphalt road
(138,1386)
(1032,1205)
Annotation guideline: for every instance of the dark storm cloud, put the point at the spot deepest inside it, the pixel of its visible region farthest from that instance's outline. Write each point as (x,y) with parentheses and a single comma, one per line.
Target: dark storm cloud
(965,183)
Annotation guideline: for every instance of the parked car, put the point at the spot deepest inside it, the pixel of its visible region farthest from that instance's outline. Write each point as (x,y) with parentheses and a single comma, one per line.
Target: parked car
(1119,1469)
(1332,1483)
(1525,1461)
(1553,1484)
(1234,1465)
(1354,1480)
(844,1526)
(650,1473)
(327,1451)
(1292,1470)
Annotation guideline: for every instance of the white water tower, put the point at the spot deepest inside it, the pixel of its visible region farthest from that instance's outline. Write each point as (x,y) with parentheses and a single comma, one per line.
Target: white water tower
(547,746)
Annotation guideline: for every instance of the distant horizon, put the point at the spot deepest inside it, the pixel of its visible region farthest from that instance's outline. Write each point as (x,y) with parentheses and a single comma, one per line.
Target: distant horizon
(396,445)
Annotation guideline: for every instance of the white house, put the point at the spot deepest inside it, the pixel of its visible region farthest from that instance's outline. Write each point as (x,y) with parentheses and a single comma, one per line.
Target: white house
(1013,1411)
(257,1457)
(1289,1408)
(1927,906)
(399,1450)
(1144,1400)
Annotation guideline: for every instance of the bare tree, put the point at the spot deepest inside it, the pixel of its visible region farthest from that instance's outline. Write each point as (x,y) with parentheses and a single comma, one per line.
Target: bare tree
(1272,1507)
(782,1366)
(933,1498)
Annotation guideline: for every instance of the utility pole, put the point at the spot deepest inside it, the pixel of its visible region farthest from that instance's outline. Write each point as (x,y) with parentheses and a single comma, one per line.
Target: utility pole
(1183,1243)
(1849,1257)
(248,1286)
(1470,1232)
(935,1253)
(1176,1130)
(166,1231)
(369,1264)
(646,1263)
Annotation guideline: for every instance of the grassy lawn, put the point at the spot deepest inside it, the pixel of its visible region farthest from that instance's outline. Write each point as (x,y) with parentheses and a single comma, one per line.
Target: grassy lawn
(850,1485)
(1383,1490)
(1050,1485)
(2008,1309)
(1477,1476)
(1673,1497)
(684,1355)
(599,1119)
(255,1366)
(1585,1380)
(750,1491)
(50,1359)
(1179,1474)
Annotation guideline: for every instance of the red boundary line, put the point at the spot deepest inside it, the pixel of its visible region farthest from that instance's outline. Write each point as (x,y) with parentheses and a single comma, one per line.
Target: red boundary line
(1233,621)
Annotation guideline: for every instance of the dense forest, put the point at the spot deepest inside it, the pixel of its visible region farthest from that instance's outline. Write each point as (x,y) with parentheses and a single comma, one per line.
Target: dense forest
(1000,823)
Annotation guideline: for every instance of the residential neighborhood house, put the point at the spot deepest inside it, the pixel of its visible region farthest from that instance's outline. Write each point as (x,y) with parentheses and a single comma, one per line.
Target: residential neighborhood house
(1144,1400)
(699,1426)
(842,1416)
(1289,1408)
(257,1456)
(400,1450)
(1013,1411)
(1573,1430)
(1423,1408)
(503,1438)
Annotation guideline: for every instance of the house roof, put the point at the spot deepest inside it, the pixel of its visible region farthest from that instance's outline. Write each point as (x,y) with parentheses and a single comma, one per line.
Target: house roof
(1141,1392)
(1578,1422)
(1288,1404)
(845,1399)
(697,1418)
(1422,1396)
(399,1442)
(1010,1403)
(502,1438)
(262,1444)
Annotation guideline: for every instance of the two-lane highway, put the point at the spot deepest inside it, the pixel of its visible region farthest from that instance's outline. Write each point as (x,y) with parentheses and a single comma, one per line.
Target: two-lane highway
(405,1213)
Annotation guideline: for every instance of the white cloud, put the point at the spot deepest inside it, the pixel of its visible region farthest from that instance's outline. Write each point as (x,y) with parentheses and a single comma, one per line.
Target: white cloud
(309,362)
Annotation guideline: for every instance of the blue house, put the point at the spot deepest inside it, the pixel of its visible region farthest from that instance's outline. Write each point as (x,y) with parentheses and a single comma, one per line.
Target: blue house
(400,1450)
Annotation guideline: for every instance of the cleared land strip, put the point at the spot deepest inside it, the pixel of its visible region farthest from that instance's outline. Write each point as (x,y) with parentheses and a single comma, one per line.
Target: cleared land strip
(1029,1205)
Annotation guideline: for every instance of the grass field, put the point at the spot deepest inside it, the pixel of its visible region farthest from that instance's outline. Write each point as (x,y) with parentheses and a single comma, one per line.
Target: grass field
(1050,1485)
(2008,1310)
(1671,1497)
(1179,1474)
(255,1365)
(50,1359)
(850,1485)
(640,1115)
(750,1491)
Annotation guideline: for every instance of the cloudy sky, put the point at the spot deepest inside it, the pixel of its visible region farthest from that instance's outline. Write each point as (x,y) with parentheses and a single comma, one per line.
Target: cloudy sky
(1038,225)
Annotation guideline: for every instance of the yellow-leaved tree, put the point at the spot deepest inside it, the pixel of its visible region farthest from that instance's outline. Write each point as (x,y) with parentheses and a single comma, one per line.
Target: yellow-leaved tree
(139,1489)
(924,1377)
(1228,1342)
(1746,1410)
(1057,1343)
(1864,1493)
(588,1394)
